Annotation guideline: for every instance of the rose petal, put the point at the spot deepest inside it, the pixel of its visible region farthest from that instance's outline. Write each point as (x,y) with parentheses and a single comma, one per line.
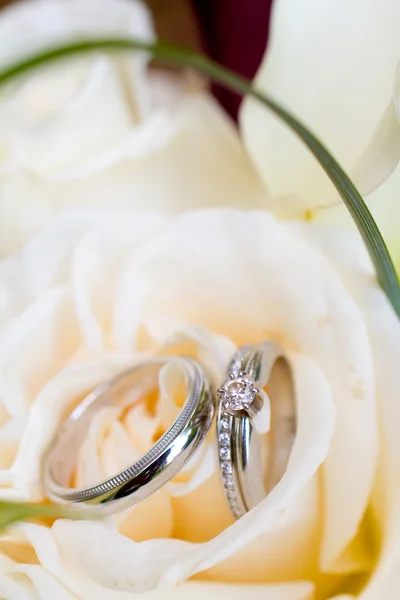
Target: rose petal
(213,351)
(151,519)
(40,342)
(57,396)
(86,588)
(51,119)
(46,22)
(94,460)
(13,588)
(44,583)
(351,259)
(334,69)
(96,267)
(29,275)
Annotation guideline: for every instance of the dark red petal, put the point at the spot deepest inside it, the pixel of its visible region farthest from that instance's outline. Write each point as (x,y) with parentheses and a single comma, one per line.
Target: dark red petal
(234,33)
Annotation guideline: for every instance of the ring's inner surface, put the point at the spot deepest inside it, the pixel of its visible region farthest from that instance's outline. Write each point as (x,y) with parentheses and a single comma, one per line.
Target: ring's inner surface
(124,392)
(278,442)
(263,459)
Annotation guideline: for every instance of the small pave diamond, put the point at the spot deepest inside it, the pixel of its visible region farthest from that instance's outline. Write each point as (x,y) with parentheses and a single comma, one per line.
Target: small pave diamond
(224,424)
(236,362)
(238,392)
(235,365)
(226,467)
(224,438)
(225,453)
(228,481)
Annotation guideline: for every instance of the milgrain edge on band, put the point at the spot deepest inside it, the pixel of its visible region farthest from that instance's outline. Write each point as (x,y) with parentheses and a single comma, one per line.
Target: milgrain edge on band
(155,468)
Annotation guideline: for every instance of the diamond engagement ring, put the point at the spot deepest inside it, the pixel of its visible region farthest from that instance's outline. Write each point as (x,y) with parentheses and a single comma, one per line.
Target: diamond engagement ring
(145,476)
(257,396)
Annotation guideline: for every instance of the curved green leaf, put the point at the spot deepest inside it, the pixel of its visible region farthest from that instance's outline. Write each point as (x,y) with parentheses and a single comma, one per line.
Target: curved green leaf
(11,512)
(372,237)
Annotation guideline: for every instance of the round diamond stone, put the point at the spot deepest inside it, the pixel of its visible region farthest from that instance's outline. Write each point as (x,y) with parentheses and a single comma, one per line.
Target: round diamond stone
(235,365)
(238,392)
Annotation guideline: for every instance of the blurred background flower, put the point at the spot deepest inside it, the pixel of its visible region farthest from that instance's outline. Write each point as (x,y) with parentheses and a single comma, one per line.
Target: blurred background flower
(236,39)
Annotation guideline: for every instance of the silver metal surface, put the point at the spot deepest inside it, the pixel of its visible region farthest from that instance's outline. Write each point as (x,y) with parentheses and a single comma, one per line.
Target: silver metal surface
(155,468)
(252,464)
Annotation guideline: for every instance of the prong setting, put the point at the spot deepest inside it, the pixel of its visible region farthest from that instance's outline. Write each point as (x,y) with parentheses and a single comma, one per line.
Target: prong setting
(237,393)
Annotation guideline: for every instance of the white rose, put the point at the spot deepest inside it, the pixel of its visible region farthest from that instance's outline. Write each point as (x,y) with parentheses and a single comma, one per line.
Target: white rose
(93,293)
(89,129)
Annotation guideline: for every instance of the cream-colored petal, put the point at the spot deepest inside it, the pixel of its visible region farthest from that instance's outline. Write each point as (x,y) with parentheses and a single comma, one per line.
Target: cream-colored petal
(173,389)
(384,328)
(49,555)
(46,413)
(199,469)
(141,426)
(47,586)
(28,275)
(94,460)
(197,591)
(217,171)
(48,21)
(97,265)
(47,133)
(147,520)
(38,345)
(333,64)
(382,154)
(84,588)
(11,587)
(351,259)
(213,351)
(52,119)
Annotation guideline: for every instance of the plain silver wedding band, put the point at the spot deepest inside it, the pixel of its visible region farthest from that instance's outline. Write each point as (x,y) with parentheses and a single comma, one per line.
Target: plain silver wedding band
(165,459)
(246,477)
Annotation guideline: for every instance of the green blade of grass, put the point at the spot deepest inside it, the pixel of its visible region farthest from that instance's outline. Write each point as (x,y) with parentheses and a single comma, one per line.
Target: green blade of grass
(369,231)
(12,512)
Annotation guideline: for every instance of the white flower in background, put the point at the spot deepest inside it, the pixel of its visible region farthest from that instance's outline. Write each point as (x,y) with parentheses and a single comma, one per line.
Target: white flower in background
(102,129)
(108,282)
(334,65)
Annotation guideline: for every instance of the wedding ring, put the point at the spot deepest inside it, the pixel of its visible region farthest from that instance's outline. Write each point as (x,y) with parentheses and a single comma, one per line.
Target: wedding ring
(259,380)
(155,468)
